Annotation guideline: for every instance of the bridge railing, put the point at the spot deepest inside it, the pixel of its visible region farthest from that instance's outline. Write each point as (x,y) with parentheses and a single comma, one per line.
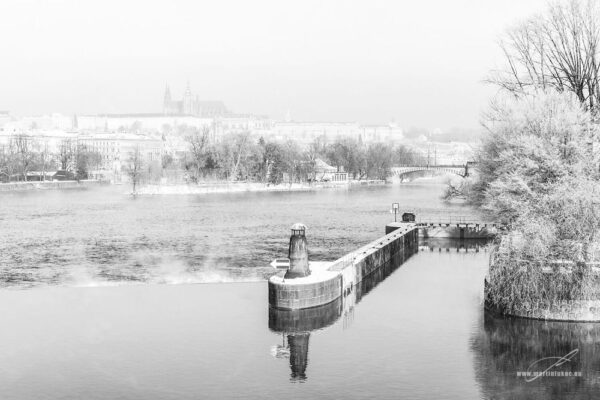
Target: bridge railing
(451,219)
(431,166)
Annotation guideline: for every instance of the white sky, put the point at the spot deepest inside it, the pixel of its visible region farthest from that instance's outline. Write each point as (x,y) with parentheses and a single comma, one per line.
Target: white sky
(418,62)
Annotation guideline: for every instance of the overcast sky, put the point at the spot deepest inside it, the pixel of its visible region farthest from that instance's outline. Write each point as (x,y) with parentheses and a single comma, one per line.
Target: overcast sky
(420,63)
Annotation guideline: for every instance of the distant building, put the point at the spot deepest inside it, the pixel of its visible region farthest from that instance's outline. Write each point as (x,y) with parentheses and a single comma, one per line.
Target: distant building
(192,105)
(53,121)
(140,122)
(306,132)
(189,111)
(327,173)
(4,118)
(235,123)
(381,133)
(115,149)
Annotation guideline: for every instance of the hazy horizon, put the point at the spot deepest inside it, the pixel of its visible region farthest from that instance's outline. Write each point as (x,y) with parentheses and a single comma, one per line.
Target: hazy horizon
(418,64)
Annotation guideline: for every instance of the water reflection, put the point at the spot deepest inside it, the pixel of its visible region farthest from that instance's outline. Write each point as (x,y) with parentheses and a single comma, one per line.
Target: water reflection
(505,347)
(455,245)
(296,325)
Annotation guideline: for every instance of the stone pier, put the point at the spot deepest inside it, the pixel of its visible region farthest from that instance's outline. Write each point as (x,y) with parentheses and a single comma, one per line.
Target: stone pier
(328,281)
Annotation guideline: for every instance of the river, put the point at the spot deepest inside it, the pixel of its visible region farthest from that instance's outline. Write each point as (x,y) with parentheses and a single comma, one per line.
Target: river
(105,297)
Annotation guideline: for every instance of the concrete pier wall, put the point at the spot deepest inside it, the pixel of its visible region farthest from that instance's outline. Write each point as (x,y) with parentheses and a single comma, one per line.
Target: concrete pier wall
(290,296)
(359,264)
(343,275)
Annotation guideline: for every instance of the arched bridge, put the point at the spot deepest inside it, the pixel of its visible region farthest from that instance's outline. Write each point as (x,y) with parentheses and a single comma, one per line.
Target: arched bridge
(458,169)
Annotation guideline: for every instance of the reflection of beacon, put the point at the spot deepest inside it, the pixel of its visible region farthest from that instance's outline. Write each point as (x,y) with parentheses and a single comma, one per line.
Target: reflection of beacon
(296,326)
(298,253)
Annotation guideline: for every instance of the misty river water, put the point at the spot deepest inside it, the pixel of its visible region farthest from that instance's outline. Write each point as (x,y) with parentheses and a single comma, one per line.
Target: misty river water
(164,297)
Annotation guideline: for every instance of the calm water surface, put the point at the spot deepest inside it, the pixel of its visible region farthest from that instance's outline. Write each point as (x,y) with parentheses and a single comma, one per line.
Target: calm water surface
(415,331)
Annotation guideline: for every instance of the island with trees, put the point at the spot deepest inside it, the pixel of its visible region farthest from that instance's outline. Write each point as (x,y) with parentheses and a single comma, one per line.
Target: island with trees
(539,167)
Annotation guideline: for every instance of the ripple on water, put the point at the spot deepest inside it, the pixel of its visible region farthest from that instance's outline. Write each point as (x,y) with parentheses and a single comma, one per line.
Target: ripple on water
(103,237)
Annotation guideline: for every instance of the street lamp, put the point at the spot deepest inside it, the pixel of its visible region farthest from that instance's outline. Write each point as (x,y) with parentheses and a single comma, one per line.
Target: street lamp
(395,208)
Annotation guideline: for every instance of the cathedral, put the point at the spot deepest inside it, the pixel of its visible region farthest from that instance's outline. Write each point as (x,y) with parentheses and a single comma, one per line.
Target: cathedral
(191,105)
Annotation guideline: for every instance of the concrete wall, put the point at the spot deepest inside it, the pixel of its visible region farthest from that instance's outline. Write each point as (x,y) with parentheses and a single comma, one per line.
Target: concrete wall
(576,310)
(564,310)
(295,296)
(369,258)
(304,319)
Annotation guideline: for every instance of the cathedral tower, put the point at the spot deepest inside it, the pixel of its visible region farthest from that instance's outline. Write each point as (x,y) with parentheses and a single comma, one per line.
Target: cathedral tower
(167,102)
(188,101)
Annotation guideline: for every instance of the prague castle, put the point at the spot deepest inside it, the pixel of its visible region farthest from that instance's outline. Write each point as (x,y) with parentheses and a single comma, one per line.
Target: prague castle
(191,105)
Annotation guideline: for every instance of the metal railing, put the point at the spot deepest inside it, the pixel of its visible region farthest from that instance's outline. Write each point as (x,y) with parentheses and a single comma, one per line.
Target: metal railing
(449,219)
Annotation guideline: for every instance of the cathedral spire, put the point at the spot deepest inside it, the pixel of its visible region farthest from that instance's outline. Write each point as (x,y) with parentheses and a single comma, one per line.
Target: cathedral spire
(167,93)
(187,102)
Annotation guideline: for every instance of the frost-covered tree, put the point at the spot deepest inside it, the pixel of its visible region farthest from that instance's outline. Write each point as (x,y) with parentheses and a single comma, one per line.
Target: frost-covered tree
(539,173)
(531,144)
(558,49)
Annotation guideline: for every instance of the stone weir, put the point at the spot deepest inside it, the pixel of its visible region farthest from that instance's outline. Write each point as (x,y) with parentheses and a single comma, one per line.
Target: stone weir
(311,284)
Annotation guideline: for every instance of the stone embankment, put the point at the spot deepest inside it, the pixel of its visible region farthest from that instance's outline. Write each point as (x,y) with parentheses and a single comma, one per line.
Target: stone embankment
(562,310)
(573,310)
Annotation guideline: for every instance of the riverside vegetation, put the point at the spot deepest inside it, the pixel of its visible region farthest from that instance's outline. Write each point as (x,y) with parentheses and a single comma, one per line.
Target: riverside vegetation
(235,157)
(539,174)
(539,161)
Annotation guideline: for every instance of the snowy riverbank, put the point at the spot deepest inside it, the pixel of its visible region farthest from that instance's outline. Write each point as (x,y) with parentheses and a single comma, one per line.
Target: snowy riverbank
(47,185)
(229,188)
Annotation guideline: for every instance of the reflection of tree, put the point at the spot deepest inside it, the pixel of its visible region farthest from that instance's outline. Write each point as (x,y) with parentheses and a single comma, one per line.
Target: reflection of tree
(504,346)
(455,245)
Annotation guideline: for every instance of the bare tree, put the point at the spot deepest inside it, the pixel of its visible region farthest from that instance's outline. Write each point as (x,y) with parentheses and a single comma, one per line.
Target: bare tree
(291,159)
(7,161)
(315,150)
(24,153)
(235,150)
(379,161)
(86,160)
(66,154)
(558,50)
(134,168)
(198,142)
(44,158)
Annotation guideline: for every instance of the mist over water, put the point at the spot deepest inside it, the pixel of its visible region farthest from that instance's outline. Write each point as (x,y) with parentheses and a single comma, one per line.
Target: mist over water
(101,236)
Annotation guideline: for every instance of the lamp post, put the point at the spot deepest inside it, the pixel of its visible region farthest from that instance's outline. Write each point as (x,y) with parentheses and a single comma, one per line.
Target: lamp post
(395,208)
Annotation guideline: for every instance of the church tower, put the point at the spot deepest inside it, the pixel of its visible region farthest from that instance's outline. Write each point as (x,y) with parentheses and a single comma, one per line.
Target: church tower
(167,102)
(188,101)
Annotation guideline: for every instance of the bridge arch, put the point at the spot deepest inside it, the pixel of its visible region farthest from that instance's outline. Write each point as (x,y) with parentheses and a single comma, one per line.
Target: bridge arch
(407,170)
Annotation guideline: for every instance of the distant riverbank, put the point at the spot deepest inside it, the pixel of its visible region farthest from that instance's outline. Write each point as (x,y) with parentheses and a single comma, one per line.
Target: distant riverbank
(46,185)
(232,187)
(202,188)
